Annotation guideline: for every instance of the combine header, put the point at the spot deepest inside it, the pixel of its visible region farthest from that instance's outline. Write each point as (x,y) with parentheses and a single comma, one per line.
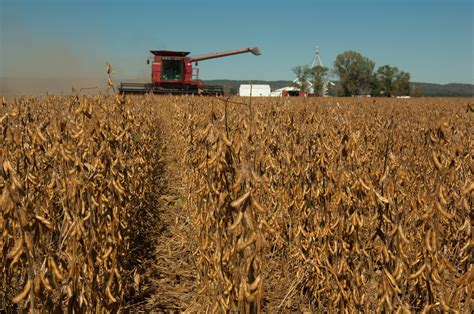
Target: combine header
(172,73)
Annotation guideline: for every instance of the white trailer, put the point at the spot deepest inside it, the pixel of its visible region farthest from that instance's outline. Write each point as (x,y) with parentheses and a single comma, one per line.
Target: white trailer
(255,90)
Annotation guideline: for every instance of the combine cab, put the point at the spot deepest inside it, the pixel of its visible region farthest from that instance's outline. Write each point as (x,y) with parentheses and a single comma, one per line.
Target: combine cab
(172,73)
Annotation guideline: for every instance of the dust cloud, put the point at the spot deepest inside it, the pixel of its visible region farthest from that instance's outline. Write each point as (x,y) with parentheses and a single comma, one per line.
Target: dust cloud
(31,66)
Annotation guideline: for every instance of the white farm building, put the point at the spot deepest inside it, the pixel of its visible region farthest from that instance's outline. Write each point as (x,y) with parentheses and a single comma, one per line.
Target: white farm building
(255,90)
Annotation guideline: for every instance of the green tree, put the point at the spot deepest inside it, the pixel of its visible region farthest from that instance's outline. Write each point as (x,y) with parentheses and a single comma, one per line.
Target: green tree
(392,81)
(355,73)
(330,88)
(402,84)
(302,77)
(375,86)
(319,75)
(387,76)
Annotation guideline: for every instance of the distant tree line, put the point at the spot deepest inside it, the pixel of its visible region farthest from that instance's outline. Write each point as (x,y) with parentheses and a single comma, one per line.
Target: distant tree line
(417,89)
(357,76)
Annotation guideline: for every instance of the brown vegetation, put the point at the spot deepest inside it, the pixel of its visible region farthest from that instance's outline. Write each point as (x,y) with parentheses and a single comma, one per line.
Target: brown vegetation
(252,205)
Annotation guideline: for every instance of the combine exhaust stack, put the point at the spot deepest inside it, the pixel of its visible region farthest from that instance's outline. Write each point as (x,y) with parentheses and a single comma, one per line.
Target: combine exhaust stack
(172,73)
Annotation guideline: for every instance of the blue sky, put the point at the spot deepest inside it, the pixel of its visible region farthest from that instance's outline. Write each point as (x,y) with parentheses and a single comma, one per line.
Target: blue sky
(431,39)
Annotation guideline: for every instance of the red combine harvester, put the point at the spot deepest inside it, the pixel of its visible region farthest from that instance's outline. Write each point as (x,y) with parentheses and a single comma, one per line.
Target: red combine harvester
(172,73)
